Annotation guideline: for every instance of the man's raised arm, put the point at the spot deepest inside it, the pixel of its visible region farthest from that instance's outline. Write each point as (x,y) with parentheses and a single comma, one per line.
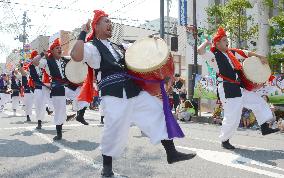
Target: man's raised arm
(77,52)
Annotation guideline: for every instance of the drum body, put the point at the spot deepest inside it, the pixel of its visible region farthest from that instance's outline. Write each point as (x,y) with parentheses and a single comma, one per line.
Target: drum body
(149,59)
(254,74)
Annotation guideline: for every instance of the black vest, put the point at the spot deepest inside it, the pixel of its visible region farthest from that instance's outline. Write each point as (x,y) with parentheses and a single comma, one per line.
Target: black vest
(27,88)
(15,85)
(3,86)
(36,77)
(58,89)
(109,66)
(231,90)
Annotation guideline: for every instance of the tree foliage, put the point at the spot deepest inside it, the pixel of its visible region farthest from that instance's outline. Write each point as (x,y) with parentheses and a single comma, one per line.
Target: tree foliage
(233,17)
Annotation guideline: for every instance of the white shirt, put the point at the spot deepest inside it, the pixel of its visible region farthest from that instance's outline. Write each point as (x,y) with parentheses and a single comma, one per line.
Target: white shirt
(210,58)
(92,55)
(43,64)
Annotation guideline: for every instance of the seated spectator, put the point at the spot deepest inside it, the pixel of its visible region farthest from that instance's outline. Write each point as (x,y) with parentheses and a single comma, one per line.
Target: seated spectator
(280,125)
(273,120)
(184,109)
(217,114)
(245,119)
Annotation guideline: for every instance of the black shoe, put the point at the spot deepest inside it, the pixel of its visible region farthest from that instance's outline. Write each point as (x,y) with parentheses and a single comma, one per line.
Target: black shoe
(173,155)
(81,119)
(178,156)
(102,120)
(265,129)
(28,118)
(107,171)
(70,117)
(227,145)
(107,166)
(38,124)
(59,132)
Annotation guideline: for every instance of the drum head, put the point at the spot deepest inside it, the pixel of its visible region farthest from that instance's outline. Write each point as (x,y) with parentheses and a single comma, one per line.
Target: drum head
(76,72)
(255,71)
(146,55)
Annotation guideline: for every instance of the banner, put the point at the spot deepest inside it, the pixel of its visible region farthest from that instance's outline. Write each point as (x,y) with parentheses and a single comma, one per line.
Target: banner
(183,12)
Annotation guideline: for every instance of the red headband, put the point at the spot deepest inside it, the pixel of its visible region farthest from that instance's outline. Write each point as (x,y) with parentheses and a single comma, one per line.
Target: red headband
(217,37)
(34,53)
(98,15)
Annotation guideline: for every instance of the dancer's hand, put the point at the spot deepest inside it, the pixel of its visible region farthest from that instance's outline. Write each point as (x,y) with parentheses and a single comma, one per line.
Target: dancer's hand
(86,27)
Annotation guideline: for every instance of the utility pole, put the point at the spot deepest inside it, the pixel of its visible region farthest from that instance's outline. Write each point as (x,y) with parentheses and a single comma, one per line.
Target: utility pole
(24,36)
(168,21)
(162,19)
(195,65)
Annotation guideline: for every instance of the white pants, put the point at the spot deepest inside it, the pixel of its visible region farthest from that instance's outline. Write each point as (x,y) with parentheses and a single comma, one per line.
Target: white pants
(39,101)
(72,95)
(15,102)
(233,110)
(28,103)
(144,110)
(59,104)
(46,94)
(4,98)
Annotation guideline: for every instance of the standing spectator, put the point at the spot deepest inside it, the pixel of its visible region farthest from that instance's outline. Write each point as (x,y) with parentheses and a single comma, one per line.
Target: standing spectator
(177,89)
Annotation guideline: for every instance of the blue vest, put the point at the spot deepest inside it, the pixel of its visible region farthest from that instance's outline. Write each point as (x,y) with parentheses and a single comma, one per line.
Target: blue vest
(109,66)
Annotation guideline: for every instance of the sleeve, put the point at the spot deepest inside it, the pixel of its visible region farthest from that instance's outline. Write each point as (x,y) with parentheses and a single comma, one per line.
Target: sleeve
(92,56)
(42,63)
(209,57)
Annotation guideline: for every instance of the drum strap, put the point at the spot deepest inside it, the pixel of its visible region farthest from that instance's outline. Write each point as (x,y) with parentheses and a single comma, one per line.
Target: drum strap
(227,79)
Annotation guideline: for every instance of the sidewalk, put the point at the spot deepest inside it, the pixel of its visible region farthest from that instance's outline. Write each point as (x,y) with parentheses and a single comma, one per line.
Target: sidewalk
(204,118)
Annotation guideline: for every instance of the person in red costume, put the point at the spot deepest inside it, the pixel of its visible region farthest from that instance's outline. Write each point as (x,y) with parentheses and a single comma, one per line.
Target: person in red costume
(233,96)
(123,101)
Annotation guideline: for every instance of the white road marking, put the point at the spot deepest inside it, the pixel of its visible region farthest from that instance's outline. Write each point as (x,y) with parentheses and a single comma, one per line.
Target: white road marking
(76,154)
(235,161)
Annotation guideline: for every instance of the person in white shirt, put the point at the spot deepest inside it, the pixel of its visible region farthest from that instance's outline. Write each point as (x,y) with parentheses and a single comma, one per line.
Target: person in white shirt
(225,62)
(123,101)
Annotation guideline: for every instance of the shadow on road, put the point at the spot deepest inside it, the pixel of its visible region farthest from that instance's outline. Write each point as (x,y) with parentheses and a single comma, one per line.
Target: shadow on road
(265,156)
(18,148)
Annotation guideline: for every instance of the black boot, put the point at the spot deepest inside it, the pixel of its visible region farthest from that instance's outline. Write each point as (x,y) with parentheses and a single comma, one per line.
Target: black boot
(265,129)
(102,120)
(38,124)
(48,111)
(80,116)
(227,145)
(28,118)
(59,132)
(173,155)
(70,117)
(107,166)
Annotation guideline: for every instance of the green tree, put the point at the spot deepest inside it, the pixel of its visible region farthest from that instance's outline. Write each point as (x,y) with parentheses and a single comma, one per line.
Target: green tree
(276,33)
(232,16)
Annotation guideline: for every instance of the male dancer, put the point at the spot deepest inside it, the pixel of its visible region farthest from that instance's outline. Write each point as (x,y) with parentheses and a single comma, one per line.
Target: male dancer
(123,101)
(39,99)
(233,97)
(15,86)
(28,94)
(56,65)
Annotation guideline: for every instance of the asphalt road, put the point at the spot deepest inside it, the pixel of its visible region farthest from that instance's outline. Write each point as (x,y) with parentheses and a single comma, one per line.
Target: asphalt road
(26,152)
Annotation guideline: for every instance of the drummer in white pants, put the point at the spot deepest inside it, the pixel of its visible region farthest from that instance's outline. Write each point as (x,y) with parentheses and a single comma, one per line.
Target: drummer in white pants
(123,102)
(28,94)
(15,86)
(233,97)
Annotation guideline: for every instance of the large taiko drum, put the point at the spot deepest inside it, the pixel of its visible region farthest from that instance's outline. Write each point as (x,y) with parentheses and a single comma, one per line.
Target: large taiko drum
(254,74)
(149,59)
(76,72)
